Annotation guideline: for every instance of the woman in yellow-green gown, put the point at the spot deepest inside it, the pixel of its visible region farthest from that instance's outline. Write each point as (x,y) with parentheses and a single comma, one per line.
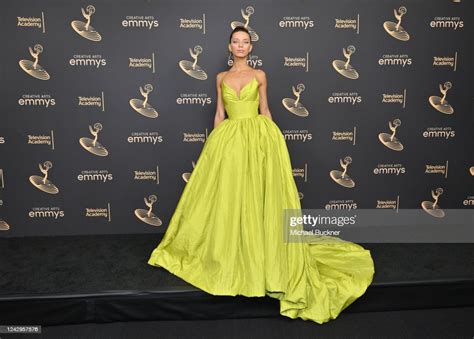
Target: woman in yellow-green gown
(226,234)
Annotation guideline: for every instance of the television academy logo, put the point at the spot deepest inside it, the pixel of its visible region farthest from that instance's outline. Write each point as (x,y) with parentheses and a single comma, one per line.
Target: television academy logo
(395,98)
(348,23)
(92,101)
(193,23)
(32,22)
(41,139)
(388,204)
(297,61)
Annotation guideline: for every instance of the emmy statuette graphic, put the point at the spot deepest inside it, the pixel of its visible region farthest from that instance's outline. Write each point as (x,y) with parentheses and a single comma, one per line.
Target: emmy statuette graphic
(395,29)
(85,29)
(342,178)
(42,183)
(92,145)
(4,226)
(344,67)
(440,103)
(33,68)
(192,68)
(187,175)
(142,106)
(246,15)
(295,106)
(390,140)
(432,207)
(147,216)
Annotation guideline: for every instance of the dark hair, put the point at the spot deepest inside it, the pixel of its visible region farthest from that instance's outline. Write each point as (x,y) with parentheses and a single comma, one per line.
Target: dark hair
(240,29)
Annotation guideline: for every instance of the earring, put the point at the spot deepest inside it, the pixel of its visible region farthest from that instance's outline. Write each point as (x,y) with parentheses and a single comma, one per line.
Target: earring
(230,55)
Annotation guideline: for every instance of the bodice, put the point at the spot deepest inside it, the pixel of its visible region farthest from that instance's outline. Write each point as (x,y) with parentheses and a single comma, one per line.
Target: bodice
(244,107)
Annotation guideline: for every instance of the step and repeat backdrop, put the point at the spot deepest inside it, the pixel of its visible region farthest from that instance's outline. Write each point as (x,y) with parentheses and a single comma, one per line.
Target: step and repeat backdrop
(106,105)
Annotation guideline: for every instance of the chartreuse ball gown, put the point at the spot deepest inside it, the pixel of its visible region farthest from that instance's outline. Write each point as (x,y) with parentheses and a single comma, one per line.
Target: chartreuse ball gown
(226,234)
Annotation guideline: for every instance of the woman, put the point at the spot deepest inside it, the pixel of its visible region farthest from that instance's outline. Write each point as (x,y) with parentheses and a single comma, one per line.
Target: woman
(226,237)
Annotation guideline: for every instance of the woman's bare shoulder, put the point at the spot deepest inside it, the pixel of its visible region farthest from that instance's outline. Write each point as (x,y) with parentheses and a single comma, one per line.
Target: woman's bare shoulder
(220,75)
(260,75)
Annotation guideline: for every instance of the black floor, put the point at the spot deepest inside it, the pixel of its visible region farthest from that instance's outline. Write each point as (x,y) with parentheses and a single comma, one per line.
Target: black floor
(432,323)
(104,279)
(98,263)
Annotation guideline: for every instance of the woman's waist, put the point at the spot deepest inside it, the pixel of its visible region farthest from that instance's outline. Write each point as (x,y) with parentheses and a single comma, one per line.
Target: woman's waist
(242,114)
(242,111)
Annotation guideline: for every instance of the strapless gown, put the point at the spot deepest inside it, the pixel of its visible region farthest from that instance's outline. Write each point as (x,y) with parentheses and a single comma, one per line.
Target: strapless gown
(225,236)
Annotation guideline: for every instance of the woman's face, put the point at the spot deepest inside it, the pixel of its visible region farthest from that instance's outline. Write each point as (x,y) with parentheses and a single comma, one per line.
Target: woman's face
(240,44)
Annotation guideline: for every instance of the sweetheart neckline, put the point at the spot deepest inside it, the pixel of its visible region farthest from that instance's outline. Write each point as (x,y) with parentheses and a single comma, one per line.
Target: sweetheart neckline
(238,96)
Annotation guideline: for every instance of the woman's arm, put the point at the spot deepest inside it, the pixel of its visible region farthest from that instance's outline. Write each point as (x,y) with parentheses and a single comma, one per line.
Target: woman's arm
(220,111)
(262,91)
